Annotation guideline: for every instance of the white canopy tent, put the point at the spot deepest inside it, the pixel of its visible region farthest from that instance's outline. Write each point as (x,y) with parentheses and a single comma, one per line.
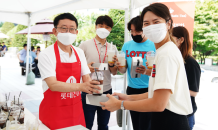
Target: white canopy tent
(27,12)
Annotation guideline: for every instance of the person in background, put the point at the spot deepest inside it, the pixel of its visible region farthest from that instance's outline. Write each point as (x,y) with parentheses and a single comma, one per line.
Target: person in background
(22,55)
(168,97)
(4,49)
(0,48)
(96,52)
(139,46)
(38,50)
(193,70)
(32,58)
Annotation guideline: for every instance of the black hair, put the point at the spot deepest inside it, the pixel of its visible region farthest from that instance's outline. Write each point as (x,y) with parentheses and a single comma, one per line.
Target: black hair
(136,21)
(105,20)
(64,16)
(32,48)
(24,45)
(38,47)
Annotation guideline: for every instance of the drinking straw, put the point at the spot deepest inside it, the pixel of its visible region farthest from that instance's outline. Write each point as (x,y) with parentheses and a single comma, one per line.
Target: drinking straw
(111,45)
(7,117)
(6,97)
(20,93)
(9,96)
(96,74)
(19,115)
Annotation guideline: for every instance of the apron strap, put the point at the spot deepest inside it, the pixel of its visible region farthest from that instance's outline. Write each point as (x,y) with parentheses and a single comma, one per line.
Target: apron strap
(57,54)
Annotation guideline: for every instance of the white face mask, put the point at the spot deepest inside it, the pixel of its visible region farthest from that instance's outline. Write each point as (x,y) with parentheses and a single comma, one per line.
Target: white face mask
(66,38)
(156,32)
(102,33)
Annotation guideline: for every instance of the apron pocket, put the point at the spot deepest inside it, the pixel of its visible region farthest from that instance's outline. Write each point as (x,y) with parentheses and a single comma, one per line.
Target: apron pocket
(66,116)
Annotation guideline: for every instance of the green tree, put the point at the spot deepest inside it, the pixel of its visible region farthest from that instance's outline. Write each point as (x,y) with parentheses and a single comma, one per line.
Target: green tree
(1,23)
(206,29)
(86,33)
(117,34)
(7,26)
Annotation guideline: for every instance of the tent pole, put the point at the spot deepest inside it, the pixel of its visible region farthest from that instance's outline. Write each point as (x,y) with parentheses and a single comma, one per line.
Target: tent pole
(28,44)
(131,16)
(124,87)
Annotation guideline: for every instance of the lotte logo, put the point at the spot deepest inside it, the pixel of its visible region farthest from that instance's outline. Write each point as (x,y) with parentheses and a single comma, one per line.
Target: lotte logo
(71,79)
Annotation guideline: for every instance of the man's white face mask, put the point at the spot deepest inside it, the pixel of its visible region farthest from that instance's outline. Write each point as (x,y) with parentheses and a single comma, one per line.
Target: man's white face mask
(102,33)
(155,32)
(66,38)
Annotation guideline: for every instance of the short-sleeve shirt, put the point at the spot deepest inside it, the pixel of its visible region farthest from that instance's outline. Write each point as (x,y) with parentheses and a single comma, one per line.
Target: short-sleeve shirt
(170,74)
(133,49)
(3,47)
(92,55)
(193,72)
(23,53)
(47,62)
(32,55)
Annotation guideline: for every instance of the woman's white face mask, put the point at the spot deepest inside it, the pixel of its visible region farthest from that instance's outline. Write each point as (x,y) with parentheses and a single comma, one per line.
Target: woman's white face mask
(102,33)
(66,38)
(155,32)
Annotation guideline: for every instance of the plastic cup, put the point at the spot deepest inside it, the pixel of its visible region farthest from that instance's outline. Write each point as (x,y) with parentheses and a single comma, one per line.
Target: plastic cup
(110,54)
(150,59)
(98,76)
(2,122)
(121,58)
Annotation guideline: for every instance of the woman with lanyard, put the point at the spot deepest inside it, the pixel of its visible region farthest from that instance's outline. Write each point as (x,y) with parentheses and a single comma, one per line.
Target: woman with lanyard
(168,96)
(193,70)
(95,51)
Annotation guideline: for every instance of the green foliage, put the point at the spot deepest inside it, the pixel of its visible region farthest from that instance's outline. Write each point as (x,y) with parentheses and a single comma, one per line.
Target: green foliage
(7,26)
(86,33)
(1,23)
(206,29)
(117,34)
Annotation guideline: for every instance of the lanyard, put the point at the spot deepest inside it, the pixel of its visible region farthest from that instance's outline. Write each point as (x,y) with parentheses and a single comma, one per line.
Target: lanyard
(99,53)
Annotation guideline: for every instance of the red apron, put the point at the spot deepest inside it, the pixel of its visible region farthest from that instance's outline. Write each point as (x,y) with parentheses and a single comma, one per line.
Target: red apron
(59,110)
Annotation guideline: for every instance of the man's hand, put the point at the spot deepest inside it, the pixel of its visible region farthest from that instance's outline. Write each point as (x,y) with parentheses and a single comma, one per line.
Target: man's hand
(92,68)
(141,69)
(90,87)
(121,96)
(21,61)
(112,104)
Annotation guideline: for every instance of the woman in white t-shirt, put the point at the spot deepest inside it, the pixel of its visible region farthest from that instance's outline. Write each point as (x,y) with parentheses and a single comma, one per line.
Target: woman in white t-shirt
(168,97)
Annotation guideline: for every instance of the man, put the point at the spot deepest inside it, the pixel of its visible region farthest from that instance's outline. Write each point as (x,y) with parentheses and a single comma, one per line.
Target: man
(22,55)
(38,50)
(32,58)
(139,46)
(96,52)
(61,67)
(0,48)
(4,49)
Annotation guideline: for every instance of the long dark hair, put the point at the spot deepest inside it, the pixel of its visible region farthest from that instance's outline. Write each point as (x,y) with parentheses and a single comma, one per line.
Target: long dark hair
(162,11)
(185,47)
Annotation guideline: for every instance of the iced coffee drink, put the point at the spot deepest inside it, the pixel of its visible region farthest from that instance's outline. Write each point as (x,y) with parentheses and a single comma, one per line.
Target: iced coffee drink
(121,59)
(98,76)
(110,54)
(150,59)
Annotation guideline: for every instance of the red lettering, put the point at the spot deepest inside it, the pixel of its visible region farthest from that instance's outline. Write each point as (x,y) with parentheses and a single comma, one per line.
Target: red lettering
(143,54)
(138,53)
(132,54)
(127,53)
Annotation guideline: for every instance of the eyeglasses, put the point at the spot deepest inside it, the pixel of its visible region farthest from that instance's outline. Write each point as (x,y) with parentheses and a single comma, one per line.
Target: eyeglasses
(65,30)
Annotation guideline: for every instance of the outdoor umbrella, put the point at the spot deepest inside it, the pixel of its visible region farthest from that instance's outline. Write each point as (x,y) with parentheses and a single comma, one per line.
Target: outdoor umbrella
(44,27)
(2,35)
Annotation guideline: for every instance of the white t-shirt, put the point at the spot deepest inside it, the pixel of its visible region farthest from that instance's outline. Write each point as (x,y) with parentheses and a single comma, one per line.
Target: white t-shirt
(47,62)
(170,74)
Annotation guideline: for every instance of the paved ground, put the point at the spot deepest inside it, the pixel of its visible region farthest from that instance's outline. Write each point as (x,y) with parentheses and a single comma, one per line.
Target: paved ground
(12,81)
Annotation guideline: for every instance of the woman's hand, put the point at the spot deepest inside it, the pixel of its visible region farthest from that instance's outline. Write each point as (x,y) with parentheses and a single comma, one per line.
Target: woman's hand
(112,104)
(121,96)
